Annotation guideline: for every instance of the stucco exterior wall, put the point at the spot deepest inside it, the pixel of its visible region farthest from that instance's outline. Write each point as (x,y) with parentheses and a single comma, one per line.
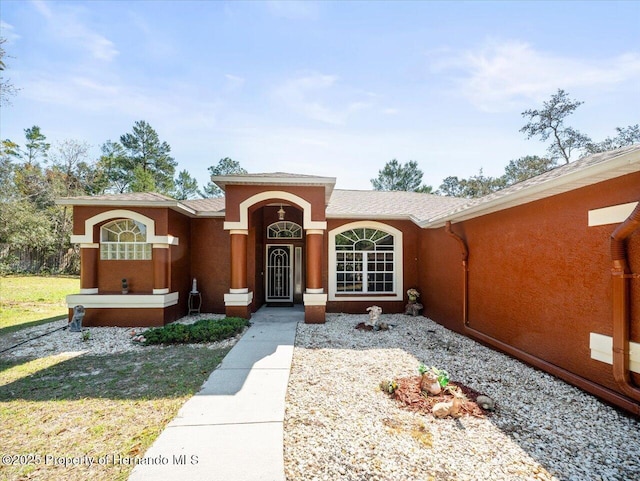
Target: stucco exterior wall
(539,276)
(210,262)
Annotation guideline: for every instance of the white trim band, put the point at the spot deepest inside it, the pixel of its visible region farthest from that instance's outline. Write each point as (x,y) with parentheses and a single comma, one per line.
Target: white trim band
(123,301)
(602,350)
(233,299)
(89,290)
(244,290)
(611,215)
(161,291)
(315,299)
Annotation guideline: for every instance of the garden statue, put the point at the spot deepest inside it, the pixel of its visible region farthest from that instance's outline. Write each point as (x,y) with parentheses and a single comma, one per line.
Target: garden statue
(374,315)
(413,307)
(75,325)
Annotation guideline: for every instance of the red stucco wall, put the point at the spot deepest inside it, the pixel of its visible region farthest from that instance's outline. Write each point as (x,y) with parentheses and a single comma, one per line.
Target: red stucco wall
(209,256)
(539,277)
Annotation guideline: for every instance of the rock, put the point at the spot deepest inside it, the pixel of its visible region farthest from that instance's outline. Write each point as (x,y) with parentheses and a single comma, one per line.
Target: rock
(486,403)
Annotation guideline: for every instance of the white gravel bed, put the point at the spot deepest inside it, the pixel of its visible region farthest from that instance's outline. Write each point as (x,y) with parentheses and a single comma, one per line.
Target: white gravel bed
(340,426)
(96,340)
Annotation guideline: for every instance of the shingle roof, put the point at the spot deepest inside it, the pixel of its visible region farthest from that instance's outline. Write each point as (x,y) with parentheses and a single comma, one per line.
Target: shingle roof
(581,173)
(213,205)
(373,204)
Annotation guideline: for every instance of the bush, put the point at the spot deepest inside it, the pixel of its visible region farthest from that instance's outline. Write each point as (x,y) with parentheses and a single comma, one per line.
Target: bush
(205,330)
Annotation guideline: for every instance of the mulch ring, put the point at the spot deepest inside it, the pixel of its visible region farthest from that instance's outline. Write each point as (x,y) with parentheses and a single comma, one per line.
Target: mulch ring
(409,394)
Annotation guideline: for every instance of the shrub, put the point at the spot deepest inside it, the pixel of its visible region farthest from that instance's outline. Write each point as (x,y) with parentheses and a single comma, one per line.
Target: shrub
(205,330)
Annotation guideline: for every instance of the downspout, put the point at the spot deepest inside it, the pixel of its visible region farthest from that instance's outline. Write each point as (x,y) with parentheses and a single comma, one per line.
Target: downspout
(621,277)
(589,386)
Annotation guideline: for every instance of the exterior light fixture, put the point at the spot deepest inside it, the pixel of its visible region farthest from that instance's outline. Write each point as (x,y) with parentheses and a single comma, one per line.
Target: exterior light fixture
(281,213)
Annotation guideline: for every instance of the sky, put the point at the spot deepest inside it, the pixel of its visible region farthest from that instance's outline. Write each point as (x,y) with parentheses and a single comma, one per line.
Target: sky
(333,89)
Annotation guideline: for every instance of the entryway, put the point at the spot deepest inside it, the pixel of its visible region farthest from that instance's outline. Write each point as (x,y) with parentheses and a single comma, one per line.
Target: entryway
(283,280)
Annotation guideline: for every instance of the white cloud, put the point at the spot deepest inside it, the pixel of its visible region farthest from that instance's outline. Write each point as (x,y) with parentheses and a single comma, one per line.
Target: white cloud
(7,31)
(320,97)
(66,24)
(503,76)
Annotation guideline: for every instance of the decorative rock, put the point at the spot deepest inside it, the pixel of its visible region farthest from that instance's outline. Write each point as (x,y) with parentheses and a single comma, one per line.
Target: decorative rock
(486,403)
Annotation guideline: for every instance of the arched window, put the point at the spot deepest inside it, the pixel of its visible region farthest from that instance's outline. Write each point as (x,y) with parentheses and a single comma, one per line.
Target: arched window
(284,230)
(124,239)
(365,261)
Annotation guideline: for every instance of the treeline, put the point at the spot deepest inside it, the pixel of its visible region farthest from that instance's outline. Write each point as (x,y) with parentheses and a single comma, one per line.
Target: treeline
(35,232)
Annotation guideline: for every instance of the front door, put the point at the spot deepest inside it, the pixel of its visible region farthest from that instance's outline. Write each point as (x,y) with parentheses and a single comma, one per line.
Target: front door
(279,282)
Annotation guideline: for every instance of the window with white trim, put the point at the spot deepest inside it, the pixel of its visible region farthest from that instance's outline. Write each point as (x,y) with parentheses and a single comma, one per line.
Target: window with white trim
(365,261)
(124,239)
(284,230)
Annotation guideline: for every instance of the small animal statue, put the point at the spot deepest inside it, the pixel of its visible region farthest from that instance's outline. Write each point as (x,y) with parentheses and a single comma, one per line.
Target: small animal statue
(429,383)
(374,315)
(451,408)
(75,325)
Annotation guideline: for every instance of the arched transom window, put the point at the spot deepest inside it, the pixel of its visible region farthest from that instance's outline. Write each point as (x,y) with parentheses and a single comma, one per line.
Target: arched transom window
(124,239)
(284,230)
(365,261)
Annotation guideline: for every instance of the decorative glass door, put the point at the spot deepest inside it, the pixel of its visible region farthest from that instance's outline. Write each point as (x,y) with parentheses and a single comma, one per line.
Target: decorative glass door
(279,273)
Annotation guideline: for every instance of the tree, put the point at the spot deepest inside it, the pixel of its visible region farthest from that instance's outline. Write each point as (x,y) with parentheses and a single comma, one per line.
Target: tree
(526,167)
(186,186)
(626,136)
(471,188)
(30,178)
(226,166)
(116,168)
(403,177)
(152,166)
(7,89)
(549,122)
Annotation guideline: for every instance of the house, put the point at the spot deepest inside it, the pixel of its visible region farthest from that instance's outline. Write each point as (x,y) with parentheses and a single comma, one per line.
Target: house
(528,270)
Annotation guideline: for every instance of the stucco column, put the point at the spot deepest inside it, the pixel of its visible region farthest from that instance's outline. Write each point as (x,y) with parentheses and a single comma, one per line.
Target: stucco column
(315,299)
(238,301)
(89,254)
(161,268)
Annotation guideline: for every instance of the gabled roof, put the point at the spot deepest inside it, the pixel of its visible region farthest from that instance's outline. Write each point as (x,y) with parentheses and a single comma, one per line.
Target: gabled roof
(277,178)
(581,173)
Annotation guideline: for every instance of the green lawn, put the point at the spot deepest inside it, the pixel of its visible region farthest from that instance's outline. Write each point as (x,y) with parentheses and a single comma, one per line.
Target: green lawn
(73,406)
(31,300)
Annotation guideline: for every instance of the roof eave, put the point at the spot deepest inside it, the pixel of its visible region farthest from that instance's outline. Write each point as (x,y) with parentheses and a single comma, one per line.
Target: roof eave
(171,204)
(618,166)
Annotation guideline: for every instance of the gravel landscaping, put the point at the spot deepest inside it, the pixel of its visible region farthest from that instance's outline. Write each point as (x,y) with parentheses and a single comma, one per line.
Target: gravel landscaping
(339,425)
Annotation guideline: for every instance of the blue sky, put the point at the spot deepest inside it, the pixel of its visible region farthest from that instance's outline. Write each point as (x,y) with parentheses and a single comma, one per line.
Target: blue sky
(323,88)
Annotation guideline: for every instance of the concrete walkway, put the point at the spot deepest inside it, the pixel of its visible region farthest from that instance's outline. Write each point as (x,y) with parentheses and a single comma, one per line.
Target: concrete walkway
(232,429)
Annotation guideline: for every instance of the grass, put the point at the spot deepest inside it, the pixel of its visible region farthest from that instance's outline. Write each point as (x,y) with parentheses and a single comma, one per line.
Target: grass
(88,405)
(30,300)
(70,405)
